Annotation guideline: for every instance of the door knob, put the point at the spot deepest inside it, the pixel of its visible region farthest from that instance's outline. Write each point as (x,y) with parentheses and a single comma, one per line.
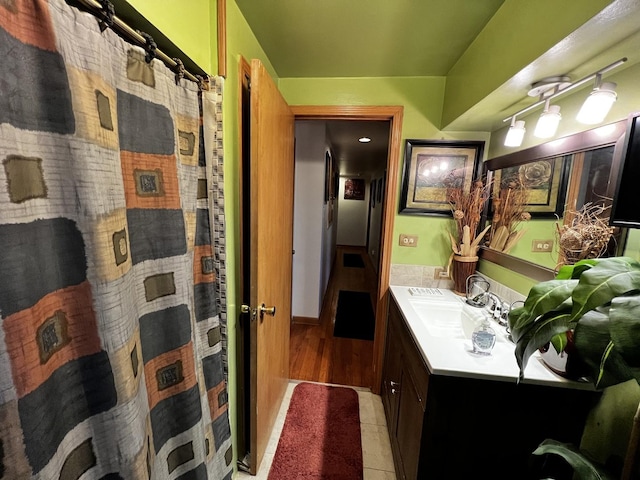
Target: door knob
(268,310)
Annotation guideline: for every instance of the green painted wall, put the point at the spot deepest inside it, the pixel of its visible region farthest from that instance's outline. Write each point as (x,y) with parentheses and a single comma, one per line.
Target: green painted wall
(422,99)
(542,229)
(519,32)
(191,27)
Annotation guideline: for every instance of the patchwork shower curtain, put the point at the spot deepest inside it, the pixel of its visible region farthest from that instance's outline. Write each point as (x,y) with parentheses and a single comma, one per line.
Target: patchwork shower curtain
(111,358)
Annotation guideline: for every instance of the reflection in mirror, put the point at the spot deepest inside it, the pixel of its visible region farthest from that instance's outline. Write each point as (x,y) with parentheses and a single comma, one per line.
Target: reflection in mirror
(589,164)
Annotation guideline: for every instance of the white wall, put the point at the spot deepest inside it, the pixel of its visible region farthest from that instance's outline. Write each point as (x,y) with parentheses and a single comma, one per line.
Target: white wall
(311,235)
(352,220)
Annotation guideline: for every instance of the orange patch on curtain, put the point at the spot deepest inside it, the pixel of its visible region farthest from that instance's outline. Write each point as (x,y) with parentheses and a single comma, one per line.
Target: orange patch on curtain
(60,328)
(29,21)
(150,181)
(203,265)
(156,391)
(213,395)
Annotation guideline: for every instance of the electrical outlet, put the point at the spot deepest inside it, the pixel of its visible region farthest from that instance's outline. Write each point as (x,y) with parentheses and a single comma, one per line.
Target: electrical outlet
(542,245)
(441,274)
(408,240)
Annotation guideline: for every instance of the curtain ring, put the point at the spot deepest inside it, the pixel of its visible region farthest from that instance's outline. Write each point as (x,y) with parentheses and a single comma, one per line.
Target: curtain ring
(179,70)
(149,47)
(106,15)
(203,83)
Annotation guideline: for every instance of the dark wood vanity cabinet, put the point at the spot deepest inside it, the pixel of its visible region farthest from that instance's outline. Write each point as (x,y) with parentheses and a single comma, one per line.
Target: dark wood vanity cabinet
(404,392)
(456,427)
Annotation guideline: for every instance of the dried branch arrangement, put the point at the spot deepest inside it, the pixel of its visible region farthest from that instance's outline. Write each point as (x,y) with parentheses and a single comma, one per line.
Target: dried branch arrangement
(587,236)
(467,209)
(509,211)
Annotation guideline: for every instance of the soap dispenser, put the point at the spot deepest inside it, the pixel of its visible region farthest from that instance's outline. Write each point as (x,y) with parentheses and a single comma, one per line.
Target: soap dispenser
(483,338)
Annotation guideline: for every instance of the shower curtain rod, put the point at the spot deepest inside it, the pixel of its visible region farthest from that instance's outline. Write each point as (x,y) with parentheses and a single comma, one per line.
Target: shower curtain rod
(96,9)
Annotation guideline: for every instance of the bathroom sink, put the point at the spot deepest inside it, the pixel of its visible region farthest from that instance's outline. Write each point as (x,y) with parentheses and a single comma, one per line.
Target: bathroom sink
(452,320)
(445,320)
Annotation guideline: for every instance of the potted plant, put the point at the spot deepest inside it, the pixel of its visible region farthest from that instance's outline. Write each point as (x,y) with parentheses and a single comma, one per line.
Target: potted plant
(598,300)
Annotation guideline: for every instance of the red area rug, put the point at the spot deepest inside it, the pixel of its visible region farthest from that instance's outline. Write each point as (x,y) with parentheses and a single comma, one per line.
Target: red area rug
(321,436)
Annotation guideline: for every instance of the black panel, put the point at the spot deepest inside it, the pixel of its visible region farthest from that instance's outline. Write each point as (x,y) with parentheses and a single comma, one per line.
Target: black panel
(76,391)
(164,330)
(175,415)
(156,233)
(38,258)
(625,212)
(21,82)
(143,126)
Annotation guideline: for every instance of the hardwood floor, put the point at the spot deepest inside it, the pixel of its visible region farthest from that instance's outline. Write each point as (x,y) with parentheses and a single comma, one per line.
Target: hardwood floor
(315,354)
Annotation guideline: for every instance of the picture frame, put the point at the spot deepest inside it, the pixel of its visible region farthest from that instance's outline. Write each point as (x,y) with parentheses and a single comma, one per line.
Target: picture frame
(354,189)
(327,176)
(546,181)
(431,167)
(372,193)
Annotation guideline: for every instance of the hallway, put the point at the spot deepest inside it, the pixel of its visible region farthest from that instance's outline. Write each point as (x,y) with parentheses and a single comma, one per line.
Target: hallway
(315,354)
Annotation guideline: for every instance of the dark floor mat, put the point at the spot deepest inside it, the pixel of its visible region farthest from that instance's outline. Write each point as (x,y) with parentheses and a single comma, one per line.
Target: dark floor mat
(354,316)
(352,260)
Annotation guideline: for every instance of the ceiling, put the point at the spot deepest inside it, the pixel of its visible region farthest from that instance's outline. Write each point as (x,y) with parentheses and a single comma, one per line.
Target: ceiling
(365,38)
(355,158)
(379,38)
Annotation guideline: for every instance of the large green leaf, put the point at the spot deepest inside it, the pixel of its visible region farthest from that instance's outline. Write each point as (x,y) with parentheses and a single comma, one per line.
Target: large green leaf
(585,468)
(609,278)
(539,334)
(560,341)
(597,350)
(543,297)
(624,328)
(567,272)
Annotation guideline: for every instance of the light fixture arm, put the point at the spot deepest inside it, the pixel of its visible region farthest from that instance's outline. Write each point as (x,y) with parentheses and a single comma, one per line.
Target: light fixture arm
(598,80)
(598,75)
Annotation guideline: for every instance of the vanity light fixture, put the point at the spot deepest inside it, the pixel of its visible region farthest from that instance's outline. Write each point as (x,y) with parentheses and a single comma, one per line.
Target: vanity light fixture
(549,88)
(364,139)
(598,103)
(548,122)
(516,132)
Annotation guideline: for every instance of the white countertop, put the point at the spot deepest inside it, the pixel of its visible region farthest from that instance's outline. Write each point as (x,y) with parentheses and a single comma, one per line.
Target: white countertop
(445,341)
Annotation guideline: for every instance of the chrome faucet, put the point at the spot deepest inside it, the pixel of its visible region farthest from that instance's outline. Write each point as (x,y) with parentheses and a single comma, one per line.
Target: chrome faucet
(498,309)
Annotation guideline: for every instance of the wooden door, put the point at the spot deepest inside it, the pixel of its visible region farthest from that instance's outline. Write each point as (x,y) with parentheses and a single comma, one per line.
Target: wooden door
(271,233)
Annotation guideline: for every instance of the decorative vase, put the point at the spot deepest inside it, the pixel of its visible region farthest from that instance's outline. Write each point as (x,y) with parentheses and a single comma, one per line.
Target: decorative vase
(462,268)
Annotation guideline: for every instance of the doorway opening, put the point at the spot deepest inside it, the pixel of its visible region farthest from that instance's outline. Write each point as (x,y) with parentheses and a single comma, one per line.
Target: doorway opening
(337,244)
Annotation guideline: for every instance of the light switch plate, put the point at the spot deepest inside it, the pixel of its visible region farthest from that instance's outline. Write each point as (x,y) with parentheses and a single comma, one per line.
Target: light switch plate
(408,240)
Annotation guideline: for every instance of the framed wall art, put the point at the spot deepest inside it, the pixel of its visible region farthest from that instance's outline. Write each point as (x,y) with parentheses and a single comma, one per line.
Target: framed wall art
(354,189)
(544,180)
(431,167)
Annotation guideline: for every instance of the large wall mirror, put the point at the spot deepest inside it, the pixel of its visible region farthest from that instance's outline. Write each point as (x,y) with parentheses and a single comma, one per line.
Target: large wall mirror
(567,173)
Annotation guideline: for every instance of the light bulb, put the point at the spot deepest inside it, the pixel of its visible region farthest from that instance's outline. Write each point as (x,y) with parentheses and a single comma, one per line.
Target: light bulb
(515,135)
(548,122)
(597,104)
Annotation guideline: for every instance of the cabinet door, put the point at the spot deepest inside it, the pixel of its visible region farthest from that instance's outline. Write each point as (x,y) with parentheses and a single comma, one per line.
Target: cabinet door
(391,378)
(409,424)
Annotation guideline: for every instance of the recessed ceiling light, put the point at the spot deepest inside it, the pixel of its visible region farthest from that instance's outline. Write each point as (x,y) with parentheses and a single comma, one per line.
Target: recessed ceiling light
(364,140)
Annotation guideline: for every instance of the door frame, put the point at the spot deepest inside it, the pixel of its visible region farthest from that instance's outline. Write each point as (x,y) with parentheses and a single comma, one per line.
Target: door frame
(394,114)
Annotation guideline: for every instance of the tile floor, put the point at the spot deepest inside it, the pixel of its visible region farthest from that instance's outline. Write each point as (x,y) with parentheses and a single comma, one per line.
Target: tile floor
(376,449)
